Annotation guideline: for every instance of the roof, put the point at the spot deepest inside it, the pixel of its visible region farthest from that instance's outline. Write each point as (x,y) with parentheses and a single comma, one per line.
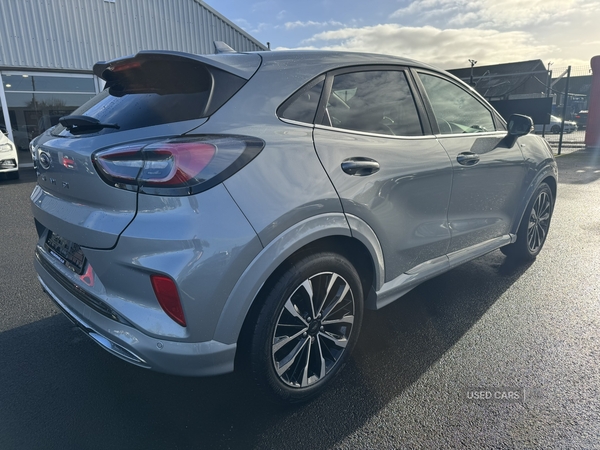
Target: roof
(328,58)
(577,85)
(501,80)
(500,69)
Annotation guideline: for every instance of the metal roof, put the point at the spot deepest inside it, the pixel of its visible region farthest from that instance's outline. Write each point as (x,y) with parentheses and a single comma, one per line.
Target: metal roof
(501,80)
(74,34)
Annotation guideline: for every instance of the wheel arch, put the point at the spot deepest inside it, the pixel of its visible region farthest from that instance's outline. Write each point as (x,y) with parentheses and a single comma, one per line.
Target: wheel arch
(551,182)
(328,232)
(548,176)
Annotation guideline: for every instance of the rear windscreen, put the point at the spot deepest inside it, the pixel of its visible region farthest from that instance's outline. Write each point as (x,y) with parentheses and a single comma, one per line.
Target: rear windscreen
(154,92)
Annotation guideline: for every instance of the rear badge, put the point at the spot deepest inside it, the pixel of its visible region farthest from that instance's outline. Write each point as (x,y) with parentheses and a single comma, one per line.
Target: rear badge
(45,160)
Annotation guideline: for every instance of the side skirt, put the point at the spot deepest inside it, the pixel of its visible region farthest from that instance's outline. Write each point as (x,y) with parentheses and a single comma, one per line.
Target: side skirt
(396,288)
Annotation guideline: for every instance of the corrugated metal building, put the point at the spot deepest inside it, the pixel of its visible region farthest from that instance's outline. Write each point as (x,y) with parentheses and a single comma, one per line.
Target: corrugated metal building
(48,48)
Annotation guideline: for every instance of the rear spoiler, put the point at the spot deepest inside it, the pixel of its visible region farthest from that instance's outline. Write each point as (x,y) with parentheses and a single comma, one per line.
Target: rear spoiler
(243,65)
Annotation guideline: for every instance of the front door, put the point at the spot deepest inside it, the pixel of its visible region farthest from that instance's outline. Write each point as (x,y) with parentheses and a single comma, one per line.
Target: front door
(488,174)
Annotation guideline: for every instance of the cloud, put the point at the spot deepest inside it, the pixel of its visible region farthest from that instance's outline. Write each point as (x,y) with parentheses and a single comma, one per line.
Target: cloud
(250,28)
(505,14)
(448,33)
(449,48)
(261,27)
(310,23)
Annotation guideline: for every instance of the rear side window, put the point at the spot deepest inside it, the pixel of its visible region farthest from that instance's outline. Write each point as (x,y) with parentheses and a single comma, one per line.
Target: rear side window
(144,93)
(376,101)
(302,106)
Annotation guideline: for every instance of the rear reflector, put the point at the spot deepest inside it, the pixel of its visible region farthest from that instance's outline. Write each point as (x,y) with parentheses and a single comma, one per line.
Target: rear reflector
(168,297)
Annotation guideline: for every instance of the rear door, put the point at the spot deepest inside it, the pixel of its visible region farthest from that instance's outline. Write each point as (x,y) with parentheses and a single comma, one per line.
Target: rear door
(488,175)
(387,167)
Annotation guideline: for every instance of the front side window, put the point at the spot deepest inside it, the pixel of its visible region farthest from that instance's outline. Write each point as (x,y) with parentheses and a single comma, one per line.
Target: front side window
(376,101)
(456,111)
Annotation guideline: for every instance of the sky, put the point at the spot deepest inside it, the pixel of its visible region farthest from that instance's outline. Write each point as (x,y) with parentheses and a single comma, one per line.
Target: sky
(445,33)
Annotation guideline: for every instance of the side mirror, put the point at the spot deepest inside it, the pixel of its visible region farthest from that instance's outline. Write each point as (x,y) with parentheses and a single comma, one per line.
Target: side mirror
(519,125)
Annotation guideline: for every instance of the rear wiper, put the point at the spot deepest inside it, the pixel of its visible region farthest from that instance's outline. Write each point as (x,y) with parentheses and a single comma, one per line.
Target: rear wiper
(84,124)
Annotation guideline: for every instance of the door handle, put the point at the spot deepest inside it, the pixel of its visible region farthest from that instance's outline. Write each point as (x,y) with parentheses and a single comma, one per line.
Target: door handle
(467,158)
(360,166)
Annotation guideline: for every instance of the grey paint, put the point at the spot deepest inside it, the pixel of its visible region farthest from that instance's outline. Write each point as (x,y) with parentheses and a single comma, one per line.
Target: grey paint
(249,283)
(181,358)
(274,200)
(540,165)
(485,195)
(365,234)
(405,202)
(62,198)
(74,34)
(405,282)
(212,243)
(203,242)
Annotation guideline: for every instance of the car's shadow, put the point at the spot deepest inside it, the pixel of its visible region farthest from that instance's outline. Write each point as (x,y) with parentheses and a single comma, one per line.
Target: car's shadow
(59,390)
(26,175)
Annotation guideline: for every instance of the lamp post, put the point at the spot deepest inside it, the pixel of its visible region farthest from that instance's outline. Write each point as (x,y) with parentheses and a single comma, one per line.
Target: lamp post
(473,62)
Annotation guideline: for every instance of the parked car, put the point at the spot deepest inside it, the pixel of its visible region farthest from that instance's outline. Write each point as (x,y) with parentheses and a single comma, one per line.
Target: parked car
(554,126)
(20,138)
(581,119)
(242,210)
(9,160)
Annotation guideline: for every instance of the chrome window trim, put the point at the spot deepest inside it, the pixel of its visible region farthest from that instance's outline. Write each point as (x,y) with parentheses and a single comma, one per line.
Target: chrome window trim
(480,134)
(366,133)
(295,122)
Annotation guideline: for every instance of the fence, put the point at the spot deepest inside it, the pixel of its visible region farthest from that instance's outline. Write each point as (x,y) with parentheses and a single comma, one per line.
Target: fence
(548,96)
(570,90)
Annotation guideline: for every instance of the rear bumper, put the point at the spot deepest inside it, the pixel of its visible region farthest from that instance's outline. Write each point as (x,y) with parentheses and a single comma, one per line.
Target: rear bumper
(133,346)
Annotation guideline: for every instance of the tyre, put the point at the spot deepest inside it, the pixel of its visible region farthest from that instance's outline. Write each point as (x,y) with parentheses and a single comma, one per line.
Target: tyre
(307,327)
(555,129)
(534,226)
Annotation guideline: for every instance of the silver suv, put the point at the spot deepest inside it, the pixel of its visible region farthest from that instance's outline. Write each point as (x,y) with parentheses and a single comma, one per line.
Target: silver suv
(243,209)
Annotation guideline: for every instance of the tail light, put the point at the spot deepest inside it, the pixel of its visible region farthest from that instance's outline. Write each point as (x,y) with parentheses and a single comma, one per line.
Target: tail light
(168,297)
(180,166)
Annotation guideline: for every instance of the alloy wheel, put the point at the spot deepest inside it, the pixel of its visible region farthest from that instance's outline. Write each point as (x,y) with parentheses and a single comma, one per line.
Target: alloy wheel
(539,222)
(313,329)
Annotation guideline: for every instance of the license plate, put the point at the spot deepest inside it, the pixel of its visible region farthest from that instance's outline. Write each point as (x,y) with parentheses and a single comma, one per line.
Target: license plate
(65,251)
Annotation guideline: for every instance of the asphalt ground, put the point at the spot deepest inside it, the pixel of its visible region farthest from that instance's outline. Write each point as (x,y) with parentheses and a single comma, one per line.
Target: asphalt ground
(530,332)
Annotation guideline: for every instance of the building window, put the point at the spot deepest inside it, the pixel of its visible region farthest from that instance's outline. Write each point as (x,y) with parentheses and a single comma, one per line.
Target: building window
(36,101)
